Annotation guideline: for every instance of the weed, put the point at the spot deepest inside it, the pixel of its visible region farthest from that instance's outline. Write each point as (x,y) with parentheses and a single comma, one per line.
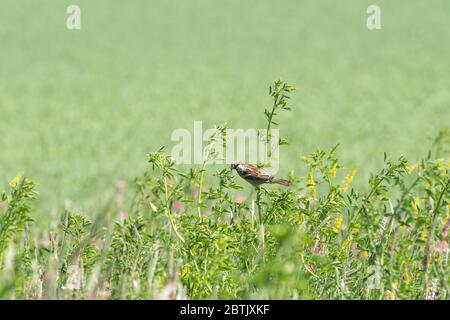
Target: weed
(318,239)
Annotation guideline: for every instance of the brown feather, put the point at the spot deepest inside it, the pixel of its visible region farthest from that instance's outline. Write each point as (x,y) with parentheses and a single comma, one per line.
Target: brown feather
(257,176)
(282,182)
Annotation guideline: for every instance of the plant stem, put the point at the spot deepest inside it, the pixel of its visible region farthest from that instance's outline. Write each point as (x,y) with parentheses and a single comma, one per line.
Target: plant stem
(169,214)
(199,197)
(202,171)
(260,215)
(429,244)
(268,137)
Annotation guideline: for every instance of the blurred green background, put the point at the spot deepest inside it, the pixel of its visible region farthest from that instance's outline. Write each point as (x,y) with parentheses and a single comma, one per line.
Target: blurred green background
(81,109)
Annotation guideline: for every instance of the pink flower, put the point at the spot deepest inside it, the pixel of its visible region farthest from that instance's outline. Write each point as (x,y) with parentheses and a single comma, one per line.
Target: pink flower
(240,199)
(431,295)
(318,250)
(121,184)
(441,246)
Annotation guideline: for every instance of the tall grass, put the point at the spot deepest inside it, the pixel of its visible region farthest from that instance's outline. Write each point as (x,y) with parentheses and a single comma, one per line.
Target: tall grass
(318,239)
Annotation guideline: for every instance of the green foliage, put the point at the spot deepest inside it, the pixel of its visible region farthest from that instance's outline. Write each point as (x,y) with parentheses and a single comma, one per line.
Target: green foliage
(17,211)
(280,94)
(105,108)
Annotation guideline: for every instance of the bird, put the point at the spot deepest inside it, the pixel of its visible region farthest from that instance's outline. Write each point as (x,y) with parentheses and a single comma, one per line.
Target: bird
(256,176)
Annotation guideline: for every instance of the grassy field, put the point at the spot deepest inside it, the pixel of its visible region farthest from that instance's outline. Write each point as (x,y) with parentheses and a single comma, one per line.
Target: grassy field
(318,237)
(81,109)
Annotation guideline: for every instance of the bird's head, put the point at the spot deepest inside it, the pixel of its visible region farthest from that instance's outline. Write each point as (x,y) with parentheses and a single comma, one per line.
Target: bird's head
(235,164)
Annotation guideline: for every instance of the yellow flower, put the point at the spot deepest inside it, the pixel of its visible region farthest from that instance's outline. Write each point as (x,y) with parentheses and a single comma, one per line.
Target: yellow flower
(337,223)
(348,179)
(185,270)
(332,171)
(443,164)
(364,255)
(13,183)
(394,286)
(416,204)
(410,169)
(304,158)
(390,295)
(406,274)
(311,184)
(424,234)
(300,217)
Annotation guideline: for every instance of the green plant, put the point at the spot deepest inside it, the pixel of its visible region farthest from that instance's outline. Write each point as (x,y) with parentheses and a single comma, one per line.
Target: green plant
(187,236)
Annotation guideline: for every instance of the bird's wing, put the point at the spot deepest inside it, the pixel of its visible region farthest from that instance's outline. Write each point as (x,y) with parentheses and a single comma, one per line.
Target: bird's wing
(252,172)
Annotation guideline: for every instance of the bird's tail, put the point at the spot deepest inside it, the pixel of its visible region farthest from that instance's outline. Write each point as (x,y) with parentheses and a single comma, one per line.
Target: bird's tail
(282,182)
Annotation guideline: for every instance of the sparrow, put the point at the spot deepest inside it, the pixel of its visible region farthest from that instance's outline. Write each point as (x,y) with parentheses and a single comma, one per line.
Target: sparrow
(254,175)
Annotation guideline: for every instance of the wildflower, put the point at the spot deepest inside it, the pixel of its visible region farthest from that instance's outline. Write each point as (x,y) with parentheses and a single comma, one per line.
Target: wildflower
(337,223)
(389,295)
(347,243)
(185,270)
(424,234)
(73,278)
(431,292)
(169,291)
(348,179)
(240,199)
(364,255)
(442,164)
(121,185)
(410,169)
(300,217)
(305,159)
(442,244)
(177,206)
(441,247)
(318,250)
(332,171)
(445,229)
(13,183)
(123,215)
(416,204)
(311,184)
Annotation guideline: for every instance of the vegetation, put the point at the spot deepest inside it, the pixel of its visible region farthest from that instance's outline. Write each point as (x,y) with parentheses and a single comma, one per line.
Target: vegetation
(321,238)
(80,109)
